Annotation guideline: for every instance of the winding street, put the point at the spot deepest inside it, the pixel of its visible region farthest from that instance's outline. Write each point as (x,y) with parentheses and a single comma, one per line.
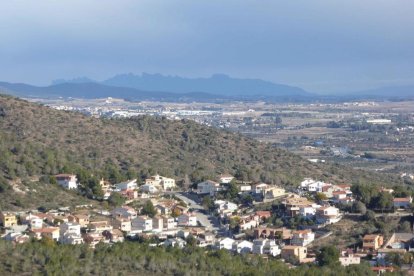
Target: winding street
(209,222)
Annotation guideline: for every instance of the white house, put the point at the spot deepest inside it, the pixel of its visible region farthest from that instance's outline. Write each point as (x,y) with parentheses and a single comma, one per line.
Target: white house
(187,220)
(127,185)
(302,237)
(149,188)
(245,188)
(328,214)
(243,247)
(70,228)
(348,258)
(161,182)
(225,205)
(226,178)
(67,181)
(260,188)
(317,186)
(308,211)
(36,223)
(169,223)
(306,182)
(265,246)
(226,243)
(208,187)
(70,233)
(175,242)
(141,223)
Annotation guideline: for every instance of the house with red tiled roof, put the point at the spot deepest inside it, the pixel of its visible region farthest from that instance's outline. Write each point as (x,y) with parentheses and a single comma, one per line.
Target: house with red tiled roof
(402,202)
(47,232)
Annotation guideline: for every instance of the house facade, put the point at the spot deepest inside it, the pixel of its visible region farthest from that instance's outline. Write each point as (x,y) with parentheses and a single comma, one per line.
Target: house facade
(208,187)
(8,219)
(67,181)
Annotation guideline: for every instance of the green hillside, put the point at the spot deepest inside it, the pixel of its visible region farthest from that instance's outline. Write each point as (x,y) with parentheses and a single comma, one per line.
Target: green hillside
(36,141)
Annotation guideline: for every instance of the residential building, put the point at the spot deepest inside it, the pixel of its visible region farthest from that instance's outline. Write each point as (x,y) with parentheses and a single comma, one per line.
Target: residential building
(169,223)
(148,188)
(129,194)
(70,233)
(306,182)
(157,223)
(52,233)
(400,241)
(245,188)
(260,188)
(294,251)
(161,182)
(175,242)
(36,223)
(99,226)
(226,243)
(308,211)
(81,219)
(265,246)
(348,258)
(293,205)
(302,237)
(402,202)
(127,185)
(282,233)
(114,235)
(141,224)
(121,223)
(208,187)
(18,238)
(243,247)
(8,219)
(328,215)
(372,242)
(263,215)
(272,192)
(67,181)
(226,178)
(187,220)
(225,208)
(124,212)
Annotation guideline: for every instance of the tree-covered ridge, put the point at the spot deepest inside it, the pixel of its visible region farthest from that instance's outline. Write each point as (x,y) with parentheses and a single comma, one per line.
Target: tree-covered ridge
(39,141)
(132,258)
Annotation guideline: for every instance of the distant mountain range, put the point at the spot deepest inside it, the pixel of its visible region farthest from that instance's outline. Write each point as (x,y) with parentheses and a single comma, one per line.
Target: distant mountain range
(159,87)
(91,90)
(173,88)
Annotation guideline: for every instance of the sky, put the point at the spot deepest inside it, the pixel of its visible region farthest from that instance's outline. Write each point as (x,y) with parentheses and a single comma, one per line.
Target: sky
(325,46)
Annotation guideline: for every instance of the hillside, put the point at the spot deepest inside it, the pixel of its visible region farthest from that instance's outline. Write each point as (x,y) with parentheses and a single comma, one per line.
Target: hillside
(38,141)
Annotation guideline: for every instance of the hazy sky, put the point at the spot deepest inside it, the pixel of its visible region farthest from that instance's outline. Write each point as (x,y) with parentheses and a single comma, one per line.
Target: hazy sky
(319,45)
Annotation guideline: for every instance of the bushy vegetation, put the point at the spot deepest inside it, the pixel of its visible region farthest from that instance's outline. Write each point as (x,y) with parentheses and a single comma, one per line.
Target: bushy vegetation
(132,258)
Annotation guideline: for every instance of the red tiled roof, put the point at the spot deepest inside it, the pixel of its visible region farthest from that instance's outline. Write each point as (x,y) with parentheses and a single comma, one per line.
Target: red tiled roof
(402,199)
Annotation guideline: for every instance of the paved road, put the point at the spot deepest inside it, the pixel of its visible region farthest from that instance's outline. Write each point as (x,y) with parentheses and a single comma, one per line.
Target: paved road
(395,214)
(211,223)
